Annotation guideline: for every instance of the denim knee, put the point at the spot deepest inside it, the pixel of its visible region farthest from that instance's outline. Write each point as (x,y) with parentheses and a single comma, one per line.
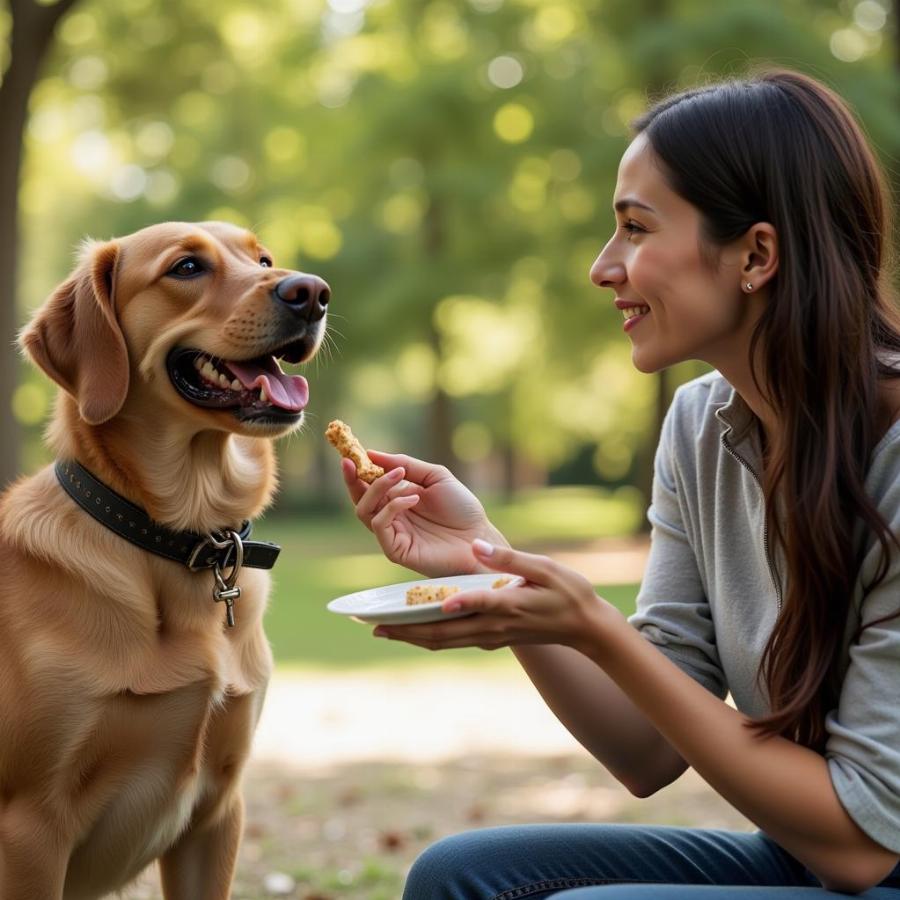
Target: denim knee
(450,869)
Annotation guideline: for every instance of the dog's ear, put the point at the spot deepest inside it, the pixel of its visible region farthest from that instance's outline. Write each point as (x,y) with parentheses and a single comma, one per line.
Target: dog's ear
(75,337)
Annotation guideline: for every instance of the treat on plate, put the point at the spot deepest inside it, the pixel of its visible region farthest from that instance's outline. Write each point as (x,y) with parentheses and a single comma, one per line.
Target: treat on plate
(429,593)
(341,437)
(501,582)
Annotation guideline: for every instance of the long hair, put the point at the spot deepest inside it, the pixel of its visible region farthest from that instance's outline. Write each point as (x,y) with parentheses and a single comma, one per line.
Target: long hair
(782,148)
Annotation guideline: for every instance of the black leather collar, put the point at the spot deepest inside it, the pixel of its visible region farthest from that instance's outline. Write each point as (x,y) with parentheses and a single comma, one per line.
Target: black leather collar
(132,523)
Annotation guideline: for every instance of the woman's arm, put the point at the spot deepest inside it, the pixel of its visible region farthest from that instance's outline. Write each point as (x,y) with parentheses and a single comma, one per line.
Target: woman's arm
(601,717)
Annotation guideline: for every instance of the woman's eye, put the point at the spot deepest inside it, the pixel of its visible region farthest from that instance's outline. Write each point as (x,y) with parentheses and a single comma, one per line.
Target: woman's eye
(187,267)
(265,262)
(631,229)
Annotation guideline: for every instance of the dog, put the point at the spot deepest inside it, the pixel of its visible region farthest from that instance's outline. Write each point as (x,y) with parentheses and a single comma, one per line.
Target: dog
(127,703)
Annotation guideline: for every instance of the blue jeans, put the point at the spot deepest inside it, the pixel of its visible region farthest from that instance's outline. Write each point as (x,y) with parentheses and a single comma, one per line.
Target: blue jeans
(616,862)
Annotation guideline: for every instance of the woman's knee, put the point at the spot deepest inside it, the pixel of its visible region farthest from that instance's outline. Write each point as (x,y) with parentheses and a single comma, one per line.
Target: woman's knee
(458,867)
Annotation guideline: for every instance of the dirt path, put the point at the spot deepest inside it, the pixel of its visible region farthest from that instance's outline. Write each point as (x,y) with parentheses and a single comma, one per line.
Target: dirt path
(353,775)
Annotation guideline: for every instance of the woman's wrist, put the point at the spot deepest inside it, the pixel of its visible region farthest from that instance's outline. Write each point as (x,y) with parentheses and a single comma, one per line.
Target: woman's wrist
(600,628)
(492,536)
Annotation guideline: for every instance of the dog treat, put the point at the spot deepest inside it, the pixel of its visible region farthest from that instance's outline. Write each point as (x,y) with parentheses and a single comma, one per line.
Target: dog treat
(426,593)
(341,437)
(501,582)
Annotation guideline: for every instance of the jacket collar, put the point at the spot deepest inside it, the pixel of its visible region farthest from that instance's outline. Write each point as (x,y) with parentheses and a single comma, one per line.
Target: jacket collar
(740,428)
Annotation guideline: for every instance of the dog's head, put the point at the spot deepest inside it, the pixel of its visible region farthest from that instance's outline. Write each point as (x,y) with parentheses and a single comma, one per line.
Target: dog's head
(192,316)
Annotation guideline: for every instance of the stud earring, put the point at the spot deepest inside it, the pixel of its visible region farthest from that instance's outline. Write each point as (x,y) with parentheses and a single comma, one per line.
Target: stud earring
(749,286)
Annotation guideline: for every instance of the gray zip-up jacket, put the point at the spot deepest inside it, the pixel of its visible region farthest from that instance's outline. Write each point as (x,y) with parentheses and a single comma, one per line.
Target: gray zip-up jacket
(713,588)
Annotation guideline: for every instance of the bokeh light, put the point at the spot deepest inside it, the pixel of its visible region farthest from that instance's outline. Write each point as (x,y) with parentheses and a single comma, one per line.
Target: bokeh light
(505,71)
(513,123)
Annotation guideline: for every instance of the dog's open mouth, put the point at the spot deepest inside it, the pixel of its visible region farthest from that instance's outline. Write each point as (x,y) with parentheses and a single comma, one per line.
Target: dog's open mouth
(253,388)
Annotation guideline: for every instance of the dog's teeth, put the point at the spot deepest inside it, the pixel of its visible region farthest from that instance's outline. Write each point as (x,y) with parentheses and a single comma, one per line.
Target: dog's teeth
(262,395)
(224,381)
(236,385)
(198,363)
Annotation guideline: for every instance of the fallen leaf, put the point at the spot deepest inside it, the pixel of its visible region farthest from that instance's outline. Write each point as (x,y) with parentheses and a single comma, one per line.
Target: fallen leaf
(391,841)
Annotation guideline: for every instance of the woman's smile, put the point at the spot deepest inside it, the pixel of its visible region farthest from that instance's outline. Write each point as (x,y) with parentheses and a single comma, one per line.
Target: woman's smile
(632,310)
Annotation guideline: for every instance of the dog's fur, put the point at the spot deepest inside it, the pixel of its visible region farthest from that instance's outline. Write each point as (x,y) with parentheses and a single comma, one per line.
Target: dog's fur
(126,708)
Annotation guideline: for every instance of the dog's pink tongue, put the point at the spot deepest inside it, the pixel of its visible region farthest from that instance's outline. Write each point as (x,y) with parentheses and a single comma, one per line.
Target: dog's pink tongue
(289,392)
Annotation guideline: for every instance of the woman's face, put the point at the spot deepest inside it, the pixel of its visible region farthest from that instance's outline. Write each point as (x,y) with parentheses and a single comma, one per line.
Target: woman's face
(689,308)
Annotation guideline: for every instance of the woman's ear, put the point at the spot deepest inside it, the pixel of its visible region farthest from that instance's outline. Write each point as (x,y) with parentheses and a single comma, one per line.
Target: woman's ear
(759,259)
(76,339)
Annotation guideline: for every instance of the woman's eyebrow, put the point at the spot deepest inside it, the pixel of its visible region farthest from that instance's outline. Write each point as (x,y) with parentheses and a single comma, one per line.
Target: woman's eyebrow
(626,202)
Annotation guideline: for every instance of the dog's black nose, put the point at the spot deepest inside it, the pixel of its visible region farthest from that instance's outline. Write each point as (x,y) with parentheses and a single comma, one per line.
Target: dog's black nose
(305,294)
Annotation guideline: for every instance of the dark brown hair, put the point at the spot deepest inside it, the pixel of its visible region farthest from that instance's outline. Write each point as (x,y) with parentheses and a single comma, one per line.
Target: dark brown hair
(780,147)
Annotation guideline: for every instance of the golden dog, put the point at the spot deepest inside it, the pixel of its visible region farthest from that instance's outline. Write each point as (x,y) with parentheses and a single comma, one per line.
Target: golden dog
(127,707)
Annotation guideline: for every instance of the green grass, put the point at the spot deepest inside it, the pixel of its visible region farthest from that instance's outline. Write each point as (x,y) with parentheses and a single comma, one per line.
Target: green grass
(325,557)
(560,514)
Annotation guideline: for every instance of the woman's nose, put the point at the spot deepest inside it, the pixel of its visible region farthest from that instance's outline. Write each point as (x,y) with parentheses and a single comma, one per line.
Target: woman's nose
(607,271)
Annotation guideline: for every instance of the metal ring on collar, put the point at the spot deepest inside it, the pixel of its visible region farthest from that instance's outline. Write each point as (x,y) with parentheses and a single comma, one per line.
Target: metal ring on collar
(232,542)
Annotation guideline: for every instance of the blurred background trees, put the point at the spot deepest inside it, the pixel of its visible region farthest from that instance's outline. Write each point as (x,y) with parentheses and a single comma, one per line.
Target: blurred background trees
(447,166)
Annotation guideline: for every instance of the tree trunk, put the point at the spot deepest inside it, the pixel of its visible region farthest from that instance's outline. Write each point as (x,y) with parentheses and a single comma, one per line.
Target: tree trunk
(440,414)
(897,34)
(508,453)
(32,30)
(440,427)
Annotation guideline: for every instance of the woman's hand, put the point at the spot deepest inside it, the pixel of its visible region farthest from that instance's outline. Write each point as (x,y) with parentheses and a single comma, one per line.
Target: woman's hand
(426,522)
(552,605)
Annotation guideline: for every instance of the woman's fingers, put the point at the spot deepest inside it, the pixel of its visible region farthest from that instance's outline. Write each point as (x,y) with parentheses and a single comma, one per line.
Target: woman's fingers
(419,471)
(386,515)
(468,631)
(375,493)
(536,569)
(488,642)
(471,601)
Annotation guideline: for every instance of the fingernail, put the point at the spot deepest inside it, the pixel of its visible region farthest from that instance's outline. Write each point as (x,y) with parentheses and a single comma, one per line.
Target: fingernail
(453,606)
(482,547)
(396,474)
(380,632)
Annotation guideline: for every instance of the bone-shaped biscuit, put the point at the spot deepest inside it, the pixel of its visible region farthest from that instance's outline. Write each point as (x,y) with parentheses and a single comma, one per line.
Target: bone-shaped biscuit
(341,437)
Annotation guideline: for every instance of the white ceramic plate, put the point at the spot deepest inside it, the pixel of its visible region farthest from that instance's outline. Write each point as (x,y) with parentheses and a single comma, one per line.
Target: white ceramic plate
(387,605)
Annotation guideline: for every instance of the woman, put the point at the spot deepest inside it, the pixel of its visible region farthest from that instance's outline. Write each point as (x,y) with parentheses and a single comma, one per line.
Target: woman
(752,231)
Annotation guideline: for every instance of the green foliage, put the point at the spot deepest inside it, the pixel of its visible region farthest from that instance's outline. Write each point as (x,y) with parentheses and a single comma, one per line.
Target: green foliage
(447,166)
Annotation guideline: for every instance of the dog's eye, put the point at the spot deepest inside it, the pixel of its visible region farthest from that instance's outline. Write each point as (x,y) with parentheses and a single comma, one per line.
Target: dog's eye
(266,262)
(187,267)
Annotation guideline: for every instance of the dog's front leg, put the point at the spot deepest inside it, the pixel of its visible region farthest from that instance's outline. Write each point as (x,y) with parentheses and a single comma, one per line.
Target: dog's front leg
(33,859)
(200,866)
